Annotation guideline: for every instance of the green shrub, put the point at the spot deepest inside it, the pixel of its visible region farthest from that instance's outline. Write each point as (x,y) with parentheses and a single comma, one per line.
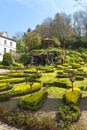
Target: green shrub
(3,77)
(5,67)
(16,75)
(34,101)
(80,69)
(7,59)
(60,72)
(12,80)
(25,89)
(60,67)
(64,75)
(79,77)
(49,71)
(5,86)
(5,96)
(82,87)
(32,70)
(69,114)
(75,66)
(80,73)
(72,97)
(82,63)
(18,65)
(64,83)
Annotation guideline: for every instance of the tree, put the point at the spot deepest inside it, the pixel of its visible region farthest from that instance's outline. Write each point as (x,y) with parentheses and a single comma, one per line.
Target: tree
(45,29)
(63,28)
(56,42)
(79,24)
(81,2)
(21,46)
(7,59)
(32,40)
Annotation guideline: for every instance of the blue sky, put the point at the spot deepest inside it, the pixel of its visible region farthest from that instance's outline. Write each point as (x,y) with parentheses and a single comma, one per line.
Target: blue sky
(19,15)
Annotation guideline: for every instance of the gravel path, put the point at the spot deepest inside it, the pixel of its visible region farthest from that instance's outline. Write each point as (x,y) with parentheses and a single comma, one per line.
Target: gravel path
(83,108)
(49,109)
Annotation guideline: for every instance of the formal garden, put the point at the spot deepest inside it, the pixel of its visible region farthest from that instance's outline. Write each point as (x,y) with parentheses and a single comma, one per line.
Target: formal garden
(45,97)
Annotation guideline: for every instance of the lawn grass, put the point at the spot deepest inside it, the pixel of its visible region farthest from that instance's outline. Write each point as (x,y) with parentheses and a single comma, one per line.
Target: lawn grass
(49,77)
(55,91)
(81,83)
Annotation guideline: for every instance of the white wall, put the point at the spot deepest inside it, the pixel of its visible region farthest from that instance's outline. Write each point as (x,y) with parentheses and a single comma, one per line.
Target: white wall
(7,46)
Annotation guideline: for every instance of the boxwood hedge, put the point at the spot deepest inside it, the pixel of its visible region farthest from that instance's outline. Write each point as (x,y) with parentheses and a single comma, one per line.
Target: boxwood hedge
(33,102)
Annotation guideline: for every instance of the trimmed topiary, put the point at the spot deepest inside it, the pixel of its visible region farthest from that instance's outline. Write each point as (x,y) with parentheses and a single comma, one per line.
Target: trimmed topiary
(69,114)
(79,77)
(33,102)
(72,97)
(7,59)
(25,89)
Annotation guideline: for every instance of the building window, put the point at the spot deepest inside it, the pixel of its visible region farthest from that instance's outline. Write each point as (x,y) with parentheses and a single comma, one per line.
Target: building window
(4,50)
(11,51)
(5,42)
(10,43)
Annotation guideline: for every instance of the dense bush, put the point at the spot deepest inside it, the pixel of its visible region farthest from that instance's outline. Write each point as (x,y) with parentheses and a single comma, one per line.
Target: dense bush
(7,59)
(64,83)
(49,71)
(12,80)
(25,89)
(5,86)
(34,101)
(5,67)
(18,65)
(31,70)
(75,65)
(16,74)
(27,121)
(60,72)
(5,96)
(60,67)
(64,75)
(3,77)
(72,97)
(69,114)
(79,77)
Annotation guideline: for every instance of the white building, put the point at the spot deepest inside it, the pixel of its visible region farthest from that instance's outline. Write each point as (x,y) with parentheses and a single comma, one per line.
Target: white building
(7,45)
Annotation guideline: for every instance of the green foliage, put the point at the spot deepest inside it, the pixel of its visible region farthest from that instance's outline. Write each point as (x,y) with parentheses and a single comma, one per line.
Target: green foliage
(5,96)
(17,65)
(32,40)
(72,97)
(3,77)
(5,86)
(69,114)
(60,67)
(79,78)
(25,89)
(55,91)
(31,70)
(26,121)
(16,75)
(33,102)
(7,59)
(23,58)
(64,75)
(12,80)
(56,42)
(75,65)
